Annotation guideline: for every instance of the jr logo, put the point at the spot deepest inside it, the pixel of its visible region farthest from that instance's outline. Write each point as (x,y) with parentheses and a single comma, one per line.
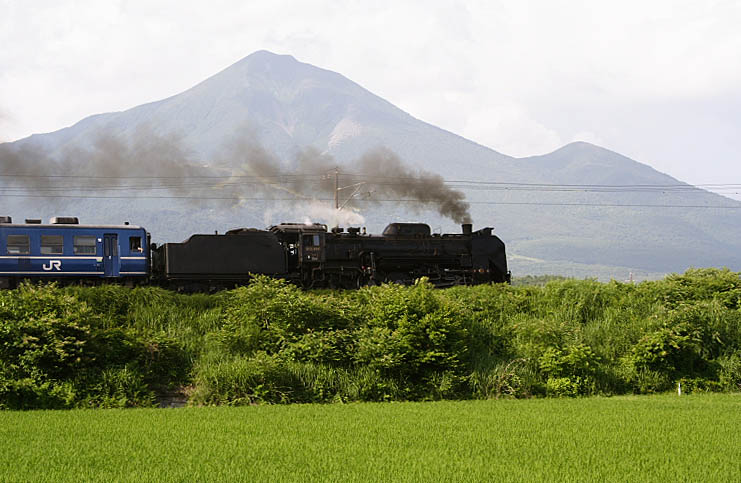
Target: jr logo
(53,265)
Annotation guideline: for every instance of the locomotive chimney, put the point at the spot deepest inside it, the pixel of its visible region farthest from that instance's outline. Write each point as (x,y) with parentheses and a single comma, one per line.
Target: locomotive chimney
(467,228)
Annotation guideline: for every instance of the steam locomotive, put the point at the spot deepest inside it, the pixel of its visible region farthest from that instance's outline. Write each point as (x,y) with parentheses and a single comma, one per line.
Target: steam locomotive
(306,254)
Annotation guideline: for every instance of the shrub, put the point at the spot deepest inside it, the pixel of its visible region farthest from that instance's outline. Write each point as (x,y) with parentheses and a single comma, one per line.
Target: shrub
(569,371)
(670,350)
(269,314)
(507,379)
(563,386)
(410,335)
(56,351)
(118,388)
(237,381)
(270,342)
(729,375)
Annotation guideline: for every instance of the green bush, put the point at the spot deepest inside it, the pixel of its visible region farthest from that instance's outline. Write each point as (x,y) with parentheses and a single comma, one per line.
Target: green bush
(237,381)
(564,386)
(669,349)
(119,388)
(271,342)
(507,379)
(411,335)
(57,351)
(729,375)
(269,314)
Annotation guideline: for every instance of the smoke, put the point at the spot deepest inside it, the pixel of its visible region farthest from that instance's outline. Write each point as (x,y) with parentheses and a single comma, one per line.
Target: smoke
(139,162)
(268,175)
(145,156)
(318,210)
(26,166)
(311,211)
(145,161)
(377,175)
(395,179)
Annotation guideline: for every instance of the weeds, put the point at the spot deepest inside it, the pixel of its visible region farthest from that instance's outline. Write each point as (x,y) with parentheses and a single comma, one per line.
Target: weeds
(270,342)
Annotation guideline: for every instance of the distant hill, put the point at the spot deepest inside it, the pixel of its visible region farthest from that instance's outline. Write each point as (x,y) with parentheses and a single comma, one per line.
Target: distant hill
(289,106)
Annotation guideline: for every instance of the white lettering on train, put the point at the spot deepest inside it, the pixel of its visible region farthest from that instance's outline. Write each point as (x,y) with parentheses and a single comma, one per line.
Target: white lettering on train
(53,265)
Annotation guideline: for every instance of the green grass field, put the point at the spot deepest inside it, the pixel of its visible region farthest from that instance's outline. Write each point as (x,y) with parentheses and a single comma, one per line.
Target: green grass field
(631,438)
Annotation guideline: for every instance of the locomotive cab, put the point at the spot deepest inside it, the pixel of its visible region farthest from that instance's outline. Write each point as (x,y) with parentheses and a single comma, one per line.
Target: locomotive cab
(304,243)
(311,247)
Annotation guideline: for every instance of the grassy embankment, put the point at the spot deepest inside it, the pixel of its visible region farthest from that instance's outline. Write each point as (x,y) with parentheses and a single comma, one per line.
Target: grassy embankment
(630,438)
(270,342)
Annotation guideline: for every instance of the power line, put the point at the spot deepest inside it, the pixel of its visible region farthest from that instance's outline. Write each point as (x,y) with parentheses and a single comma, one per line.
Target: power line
(401,200)
(397,179)
(730,189)
(226,176)
(281,181)
(220,185)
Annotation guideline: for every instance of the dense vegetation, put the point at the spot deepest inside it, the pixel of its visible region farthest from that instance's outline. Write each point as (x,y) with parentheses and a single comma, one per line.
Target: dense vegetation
(112,346)
(627,438)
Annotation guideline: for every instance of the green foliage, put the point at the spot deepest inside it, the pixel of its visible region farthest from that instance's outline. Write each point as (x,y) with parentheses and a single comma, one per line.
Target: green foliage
(563,386)
(411,335)
(119,388)
(701,284)
(245,380)
(506,379)
(729,375)
(667,349)
(56,351)
(537,280)
(271,314)
(569,371)
(271,342)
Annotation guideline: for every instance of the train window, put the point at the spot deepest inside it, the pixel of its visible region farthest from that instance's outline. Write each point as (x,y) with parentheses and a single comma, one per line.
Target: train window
(135,244)
(18,245)
(84,245)
(311,240)
(52,244)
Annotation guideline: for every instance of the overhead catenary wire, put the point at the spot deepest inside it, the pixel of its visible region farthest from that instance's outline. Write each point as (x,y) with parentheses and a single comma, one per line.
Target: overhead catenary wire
(242,198)
(464,183)
(194,183)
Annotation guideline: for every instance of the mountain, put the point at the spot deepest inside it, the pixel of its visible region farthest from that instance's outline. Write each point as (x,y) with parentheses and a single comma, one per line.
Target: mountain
(289,106)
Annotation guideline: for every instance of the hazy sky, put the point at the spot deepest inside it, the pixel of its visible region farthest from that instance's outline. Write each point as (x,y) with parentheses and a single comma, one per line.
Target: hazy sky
(659,81)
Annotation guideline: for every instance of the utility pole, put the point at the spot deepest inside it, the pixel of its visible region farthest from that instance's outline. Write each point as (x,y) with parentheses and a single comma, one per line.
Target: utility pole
(336,188)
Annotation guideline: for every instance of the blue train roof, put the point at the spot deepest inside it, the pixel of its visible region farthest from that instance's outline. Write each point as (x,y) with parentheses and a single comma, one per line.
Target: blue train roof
(69,226)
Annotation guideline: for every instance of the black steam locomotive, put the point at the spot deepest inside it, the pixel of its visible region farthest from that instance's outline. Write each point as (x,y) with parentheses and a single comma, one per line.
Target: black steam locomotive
(310,255)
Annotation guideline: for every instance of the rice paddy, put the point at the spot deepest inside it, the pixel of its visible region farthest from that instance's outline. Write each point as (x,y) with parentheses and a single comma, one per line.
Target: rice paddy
(627,438)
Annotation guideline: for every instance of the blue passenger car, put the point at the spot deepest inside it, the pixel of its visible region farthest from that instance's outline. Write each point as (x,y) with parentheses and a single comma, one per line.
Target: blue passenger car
(66,251)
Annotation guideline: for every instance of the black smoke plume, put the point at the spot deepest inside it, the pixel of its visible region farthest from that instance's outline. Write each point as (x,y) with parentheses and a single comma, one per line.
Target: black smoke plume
(382,173)
(145,161)
(396,179)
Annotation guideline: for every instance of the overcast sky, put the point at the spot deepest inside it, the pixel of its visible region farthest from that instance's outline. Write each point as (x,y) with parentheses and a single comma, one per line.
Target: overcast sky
(659,81)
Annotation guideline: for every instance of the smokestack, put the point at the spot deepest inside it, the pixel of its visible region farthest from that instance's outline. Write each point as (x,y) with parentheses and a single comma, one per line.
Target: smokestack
(467,228)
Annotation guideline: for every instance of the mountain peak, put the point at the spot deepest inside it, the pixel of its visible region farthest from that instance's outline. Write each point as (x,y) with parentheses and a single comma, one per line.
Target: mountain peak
(265,56)
(580,146)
